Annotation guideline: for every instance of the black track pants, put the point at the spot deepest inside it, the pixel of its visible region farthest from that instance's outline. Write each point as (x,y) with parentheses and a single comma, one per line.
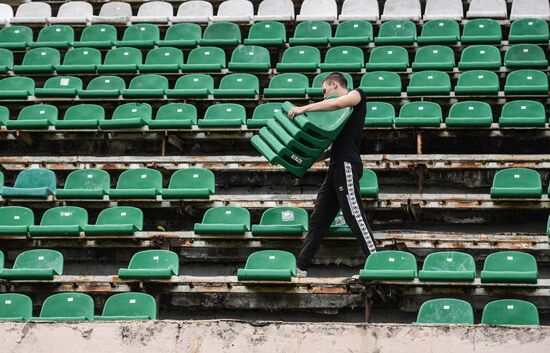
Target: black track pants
(340,190)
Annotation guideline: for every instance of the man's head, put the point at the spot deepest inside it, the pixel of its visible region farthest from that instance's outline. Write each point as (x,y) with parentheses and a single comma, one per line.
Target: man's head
(335,84)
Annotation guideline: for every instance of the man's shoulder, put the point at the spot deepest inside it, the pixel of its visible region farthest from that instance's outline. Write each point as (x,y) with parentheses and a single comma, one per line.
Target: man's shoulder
(362,94)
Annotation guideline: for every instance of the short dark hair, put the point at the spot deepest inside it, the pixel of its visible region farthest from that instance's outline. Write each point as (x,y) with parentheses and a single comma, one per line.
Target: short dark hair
(338,78)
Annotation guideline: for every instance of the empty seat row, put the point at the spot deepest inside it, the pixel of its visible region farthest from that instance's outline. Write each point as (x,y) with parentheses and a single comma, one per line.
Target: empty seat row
(78,307)
(139,183)
(272,33)
(70,221)
(283,10)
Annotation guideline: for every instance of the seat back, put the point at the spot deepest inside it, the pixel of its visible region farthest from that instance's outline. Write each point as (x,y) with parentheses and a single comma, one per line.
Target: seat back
(524,109)
(36,178)
(6,12)
(131,304)
(391,260)
(193,178)
(487,8)
(195,8)
(75,9)
(156,9)
(389,54)
(65,216)
(266,110)
(16,216)
(380,110)
(88,179)
(445,311)
(276,8)
(82,56)
(345,54)
(175,111)
(510,312)
(518,177)
(530,9)
(525,55)
(42,56)
(207,55)
(515,261)
(441,9)
(301,54)
(430,78)
(141,32)
(399,9)
(313,29)
(440,28)
(369,179)
(355,28)
(155,259)
(17,84)
(238,8)
(133,110)
(252,54)
(84,112)
(227,215)
(289,80)
(367,9)
(380,79)
(470,109)
(68,305)
(267,29)
(115,9)
(149,81)
(449,261)
(123,56)
(240,81)
(480,53)
(271,260)
(321,8)
(99,32)
(195,81)
(527,30)
(420,110)
(222,30)
(106,83)
(15,306)
(4,116)
(285,216)
(527,78)
(226,111)
(121,215)
(16,34)
(478,78)
(397,28)
(40,259)
(38,112)
(481,27)
(64,82)
(140,178)
(56,33)
(434,54)
(34,9)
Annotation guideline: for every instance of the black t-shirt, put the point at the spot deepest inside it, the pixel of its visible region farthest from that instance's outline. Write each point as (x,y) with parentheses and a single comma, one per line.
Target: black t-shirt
(347,146)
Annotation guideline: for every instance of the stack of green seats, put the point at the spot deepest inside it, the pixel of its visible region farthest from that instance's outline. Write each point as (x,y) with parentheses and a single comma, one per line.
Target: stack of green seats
(296,144)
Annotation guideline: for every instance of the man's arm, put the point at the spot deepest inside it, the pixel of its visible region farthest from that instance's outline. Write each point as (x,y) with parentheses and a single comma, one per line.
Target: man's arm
(349,100)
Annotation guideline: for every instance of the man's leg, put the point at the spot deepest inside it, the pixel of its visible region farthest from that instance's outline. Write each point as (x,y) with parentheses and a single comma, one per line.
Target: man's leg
(326,208)
(346,181)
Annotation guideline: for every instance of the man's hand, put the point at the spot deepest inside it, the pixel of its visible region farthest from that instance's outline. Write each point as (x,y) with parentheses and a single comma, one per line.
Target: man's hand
(295,111)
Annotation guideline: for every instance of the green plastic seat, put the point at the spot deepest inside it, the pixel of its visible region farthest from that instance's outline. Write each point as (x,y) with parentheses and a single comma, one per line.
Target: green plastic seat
(60,86)
(282,221)
(67,307)
(528,30)
(192,86)
(434,57)
(128,115)
(445,311)
(548,227)
(343,58)
(448,266)
(103,87)
(250,58)
(15,307)
(139,183)
(238,86)
(286,147)
(439,32)
(525,113)
(311,33)
(6,61)
(510,267)
(61,221)
(221,34)
(379,114)
(85,184)
(15,220)
(164,59)
(381,83)
(316,89)
(268,265)
(267,33)
(174,116)
(38,60)
(142,35)
(146,86)
(99,36)
(477,82)
(325,125)
(290,165)
(396,32)
(4,116)
(388,58)
(81,116)
(35,264)
(482,30)
(16,87)
(263,113)
(54,36)
(470,113)
(121,60)
(356,32)
(80,60)
(37,116)
(510,312)
(129,306)
(15,37)
(485,57)
(120,220)
(224,115)
(368,184)
(525,56)
(287,85)
(517,182)
(429,83)
(419,114)
(300,58)
(32,183)
(339,227)
(224,220)
(526,82)
(181,35)
(149,264)
(190,183)
(205,59)
(389,265)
